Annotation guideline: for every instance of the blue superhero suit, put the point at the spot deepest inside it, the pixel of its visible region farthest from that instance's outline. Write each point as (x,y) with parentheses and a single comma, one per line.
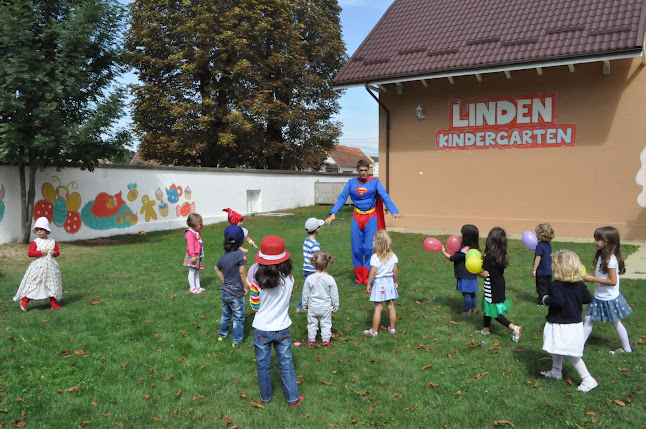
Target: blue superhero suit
(367,197)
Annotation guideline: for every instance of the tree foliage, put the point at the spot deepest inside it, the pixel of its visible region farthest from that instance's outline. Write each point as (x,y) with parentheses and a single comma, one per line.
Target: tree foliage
(58,105)
(236,82)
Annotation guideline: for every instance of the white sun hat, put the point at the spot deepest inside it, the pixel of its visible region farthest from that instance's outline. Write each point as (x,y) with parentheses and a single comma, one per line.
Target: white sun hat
(43,223)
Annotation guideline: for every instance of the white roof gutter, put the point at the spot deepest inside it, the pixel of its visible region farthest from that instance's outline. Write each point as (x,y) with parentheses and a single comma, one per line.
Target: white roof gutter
(500,69)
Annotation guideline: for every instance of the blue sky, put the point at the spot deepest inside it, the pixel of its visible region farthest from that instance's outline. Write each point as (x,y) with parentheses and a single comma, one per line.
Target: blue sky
(359,111)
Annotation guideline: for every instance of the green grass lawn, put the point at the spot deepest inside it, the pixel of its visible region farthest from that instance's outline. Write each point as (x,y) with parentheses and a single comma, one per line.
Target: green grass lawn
(133,348)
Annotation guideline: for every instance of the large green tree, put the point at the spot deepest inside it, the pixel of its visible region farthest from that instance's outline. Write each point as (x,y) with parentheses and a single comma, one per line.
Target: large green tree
(58,102)
(236,82)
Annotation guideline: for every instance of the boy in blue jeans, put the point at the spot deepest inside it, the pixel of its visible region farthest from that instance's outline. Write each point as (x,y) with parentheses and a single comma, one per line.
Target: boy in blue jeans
(310,247)
(231,271)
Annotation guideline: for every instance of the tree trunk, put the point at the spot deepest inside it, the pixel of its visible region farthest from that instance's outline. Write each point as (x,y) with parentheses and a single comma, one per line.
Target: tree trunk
(27,200)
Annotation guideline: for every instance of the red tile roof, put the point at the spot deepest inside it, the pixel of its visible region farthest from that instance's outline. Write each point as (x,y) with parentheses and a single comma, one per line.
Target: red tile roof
(345,155)
(423,37)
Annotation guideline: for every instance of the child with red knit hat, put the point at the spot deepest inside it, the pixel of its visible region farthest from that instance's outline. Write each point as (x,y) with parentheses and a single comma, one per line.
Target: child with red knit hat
(236,218)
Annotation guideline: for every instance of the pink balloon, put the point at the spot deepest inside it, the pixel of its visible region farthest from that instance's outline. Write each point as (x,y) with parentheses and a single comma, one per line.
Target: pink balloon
(432,244)
(453,244)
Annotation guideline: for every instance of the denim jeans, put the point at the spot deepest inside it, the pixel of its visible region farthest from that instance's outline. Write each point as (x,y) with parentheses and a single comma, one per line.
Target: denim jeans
(282,340)
(232,305)
(470,300)
(306,274)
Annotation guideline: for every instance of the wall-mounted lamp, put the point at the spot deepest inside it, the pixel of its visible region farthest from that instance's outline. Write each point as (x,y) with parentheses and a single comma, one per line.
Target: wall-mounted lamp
(420,112)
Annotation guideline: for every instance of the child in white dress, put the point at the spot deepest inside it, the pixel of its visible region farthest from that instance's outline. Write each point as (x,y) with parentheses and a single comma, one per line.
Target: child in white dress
(383,273)
(43,277)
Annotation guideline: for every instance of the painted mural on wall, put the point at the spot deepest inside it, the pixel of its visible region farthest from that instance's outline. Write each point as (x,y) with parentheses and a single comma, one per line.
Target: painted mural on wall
(1,202)
(527,121)
(640,179)
(60,206)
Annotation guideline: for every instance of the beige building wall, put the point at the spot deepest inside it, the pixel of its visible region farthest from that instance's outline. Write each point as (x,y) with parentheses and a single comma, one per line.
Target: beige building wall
(576,189)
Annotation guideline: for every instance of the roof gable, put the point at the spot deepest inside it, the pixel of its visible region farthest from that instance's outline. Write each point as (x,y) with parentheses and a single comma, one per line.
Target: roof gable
(345,155)
(422,37)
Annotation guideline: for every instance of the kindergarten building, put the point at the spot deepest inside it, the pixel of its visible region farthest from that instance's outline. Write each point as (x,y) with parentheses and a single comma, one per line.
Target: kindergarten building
(510,113)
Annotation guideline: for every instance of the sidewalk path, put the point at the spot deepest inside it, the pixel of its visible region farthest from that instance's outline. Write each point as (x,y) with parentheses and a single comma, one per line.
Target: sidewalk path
(635,263)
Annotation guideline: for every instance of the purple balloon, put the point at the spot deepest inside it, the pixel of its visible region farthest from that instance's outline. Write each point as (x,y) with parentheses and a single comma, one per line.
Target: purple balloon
(529,240)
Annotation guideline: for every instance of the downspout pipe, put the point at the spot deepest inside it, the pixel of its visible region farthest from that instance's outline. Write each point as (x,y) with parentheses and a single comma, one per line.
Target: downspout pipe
(383,106)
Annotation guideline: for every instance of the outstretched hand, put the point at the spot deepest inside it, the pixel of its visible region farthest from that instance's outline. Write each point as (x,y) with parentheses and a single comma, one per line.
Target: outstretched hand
(397,216)
(330,219)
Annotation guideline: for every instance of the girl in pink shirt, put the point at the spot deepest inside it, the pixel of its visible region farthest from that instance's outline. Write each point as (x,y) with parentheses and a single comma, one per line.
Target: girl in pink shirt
(194,252)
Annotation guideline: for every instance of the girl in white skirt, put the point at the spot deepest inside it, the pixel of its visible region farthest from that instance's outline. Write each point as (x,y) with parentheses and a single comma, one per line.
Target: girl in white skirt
(563,333)
(382,281)
(608,305)
(43,277)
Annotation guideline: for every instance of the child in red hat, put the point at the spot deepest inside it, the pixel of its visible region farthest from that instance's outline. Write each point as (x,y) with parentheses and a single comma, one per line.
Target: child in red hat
(236,218)
(271,292)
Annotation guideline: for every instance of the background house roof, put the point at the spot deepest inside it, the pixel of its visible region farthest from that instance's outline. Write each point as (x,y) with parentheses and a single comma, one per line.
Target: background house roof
(423,37)
(344,155)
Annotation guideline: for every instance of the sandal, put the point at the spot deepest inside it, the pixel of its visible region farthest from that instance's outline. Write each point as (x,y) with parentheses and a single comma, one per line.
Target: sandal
(586,387)
(517,333)
(552,374)
(483,332)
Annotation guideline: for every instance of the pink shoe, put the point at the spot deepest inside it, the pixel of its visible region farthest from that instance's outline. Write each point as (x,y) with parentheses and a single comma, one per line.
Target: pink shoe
(194,290)
(310,342)
(371,332)
(326,343)
(300,401)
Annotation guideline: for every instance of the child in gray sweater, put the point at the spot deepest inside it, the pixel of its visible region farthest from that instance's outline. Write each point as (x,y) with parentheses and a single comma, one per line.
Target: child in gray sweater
(320,298)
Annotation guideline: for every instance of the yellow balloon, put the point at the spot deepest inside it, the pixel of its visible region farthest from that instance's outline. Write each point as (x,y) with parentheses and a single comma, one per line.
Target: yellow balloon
(584,272)
(474,264)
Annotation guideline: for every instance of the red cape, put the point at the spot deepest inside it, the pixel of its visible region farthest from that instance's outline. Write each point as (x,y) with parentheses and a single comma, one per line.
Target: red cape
(379,208)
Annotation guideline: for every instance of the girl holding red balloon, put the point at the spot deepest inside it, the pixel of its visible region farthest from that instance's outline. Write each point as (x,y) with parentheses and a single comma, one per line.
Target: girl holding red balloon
(467,282)
(493,268)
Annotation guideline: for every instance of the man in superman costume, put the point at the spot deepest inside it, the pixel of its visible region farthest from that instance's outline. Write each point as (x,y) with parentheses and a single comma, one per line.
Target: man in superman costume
(368,196)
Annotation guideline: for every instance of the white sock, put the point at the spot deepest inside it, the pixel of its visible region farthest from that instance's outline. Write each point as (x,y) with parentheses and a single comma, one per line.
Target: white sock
(623,335)
(191,278)
(197,278)
(557,364)
(580,367)
(587,328)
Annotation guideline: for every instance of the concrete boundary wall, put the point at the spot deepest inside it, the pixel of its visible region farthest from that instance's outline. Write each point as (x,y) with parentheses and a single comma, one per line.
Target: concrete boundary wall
(116,200)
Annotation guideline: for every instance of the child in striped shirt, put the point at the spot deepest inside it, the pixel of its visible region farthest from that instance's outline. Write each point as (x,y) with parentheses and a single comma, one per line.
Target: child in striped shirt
(310,247)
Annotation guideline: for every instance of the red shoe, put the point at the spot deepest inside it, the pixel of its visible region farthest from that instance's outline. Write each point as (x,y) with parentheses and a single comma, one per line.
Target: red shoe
(300,401)
(55,305)
(23,303)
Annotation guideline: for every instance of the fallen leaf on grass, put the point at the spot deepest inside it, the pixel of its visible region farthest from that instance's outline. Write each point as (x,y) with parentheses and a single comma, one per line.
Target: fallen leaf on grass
(85,422)
(181,358)
(226,421)
(73,389)
(243,395)
(256,404)
(623,369)
(168,377)
(21,400)
(79,352)
(2,410)
(431,384)
(106,414)
(568,381)
(426,366)
(411,408)
(19,423)
(521,350)
(93,403)
(179,392)
(94,302)
(327,383)
(175,412)
(459,392)
(618,402)
(504,422)
(44,321)
(453,322)
(548,404)
(306,416)
(360,393)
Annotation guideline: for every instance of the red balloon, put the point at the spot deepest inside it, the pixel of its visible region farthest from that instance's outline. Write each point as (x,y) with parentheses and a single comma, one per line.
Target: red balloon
(432,244)
(453,244)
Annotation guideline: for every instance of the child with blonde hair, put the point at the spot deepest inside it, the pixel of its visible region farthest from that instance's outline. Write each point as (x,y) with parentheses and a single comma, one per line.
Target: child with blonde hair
(194,252)
(542,270)
(608,304)
(320,298)
(382,281)
(563,332)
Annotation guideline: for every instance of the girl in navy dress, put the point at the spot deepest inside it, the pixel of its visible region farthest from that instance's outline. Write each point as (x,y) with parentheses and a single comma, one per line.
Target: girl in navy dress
(467,282)
(608,304)
(563,333)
